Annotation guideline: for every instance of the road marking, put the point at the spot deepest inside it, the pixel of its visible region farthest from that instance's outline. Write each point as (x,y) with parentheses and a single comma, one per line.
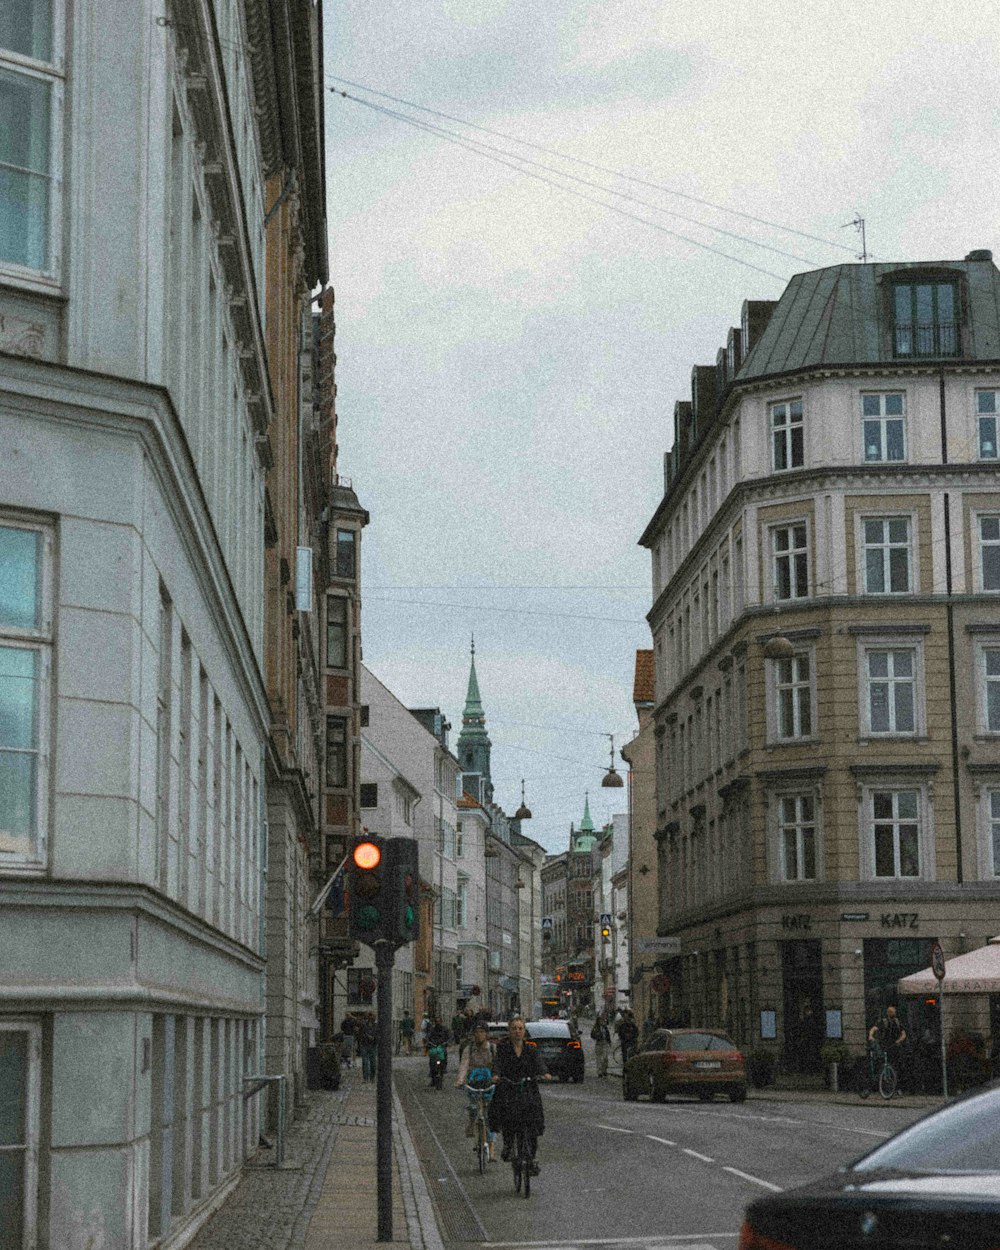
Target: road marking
(756,1179)
(695,1155)
(612,1129)
(664,1141)
(684,1241)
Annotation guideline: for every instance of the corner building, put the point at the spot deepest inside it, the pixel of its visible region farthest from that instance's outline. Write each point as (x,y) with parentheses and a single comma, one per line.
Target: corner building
(826,625)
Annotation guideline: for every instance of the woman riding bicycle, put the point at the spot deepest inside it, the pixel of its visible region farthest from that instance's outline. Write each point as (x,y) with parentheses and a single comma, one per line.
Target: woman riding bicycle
(518,1103)
(476,1069)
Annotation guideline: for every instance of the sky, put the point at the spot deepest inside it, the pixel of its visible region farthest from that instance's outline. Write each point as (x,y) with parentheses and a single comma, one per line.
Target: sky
(509,353)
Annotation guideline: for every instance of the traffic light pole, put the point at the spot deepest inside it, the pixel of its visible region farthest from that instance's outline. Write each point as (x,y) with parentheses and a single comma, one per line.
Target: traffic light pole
(384,958)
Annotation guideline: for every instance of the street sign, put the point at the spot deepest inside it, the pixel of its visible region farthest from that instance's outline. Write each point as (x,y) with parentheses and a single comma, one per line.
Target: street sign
(546,922)
(937,961)
(659,946)
(609,994)
(605,919)
(660,983)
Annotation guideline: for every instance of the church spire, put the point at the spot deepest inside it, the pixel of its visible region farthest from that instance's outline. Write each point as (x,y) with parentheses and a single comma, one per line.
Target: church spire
(473,747)
(586,825)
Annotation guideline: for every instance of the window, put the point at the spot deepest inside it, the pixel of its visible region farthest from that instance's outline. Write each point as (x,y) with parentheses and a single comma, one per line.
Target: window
(883,427)
(345,558)
(369,794)
(895,824)
(20,1045)
(991,689)
(792,697)
(336,631)
(364,714)
(459,841)
(993,818)
(797,836)
(786,435)
(336,751)
(989,552)
(360,987)
(791,561)
(986,425)
(30,99)
(887,560)
(925,322)
(462,903)
(25,658)
(892,690)
(446,839)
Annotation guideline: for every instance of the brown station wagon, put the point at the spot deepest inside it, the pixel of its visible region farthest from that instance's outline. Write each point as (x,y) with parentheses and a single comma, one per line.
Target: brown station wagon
(686,1061)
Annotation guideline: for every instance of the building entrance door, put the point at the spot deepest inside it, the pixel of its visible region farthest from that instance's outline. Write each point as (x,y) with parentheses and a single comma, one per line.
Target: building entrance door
(802,977)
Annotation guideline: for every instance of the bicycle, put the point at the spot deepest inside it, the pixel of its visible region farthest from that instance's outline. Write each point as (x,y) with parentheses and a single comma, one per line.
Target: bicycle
(481,1131)
(881,1075)
(438,1057)
(522,1155)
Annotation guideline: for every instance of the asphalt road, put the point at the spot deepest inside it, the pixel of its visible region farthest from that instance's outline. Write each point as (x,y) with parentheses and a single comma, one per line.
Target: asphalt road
(636,1175)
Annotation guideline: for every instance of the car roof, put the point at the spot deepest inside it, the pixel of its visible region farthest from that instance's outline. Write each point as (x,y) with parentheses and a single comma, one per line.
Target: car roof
(548,1028)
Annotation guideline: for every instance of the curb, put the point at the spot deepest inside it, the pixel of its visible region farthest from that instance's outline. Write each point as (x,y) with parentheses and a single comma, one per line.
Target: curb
(417,1203)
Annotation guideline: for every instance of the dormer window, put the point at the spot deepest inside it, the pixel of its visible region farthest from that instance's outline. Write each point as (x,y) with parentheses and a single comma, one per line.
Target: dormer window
(925,319)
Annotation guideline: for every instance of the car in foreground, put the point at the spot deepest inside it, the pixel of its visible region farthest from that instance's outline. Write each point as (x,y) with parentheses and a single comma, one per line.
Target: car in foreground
(703,1062)
(558,1044)
(934,1184)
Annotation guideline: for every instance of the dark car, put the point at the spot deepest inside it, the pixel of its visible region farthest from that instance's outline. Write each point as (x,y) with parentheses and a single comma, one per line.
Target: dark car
(559,1046)
(686,1061)
(937,1183)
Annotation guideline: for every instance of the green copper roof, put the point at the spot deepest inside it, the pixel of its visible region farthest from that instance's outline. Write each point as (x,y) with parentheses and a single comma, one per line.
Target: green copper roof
(586,825)
(473,703)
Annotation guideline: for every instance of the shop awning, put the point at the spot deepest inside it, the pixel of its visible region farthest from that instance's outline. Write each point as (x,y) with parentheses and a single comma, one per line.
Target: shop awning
(976,972)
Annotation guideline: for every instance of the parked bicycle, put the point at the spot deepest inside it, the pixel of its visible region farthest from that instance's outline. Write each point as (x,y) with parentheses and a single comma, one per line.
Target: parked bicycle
(878,1073)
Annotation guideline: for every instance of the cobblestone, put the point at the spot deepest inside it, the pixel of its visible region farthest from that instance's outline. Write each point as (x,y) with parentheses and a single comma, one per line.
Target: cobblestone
(270,1208)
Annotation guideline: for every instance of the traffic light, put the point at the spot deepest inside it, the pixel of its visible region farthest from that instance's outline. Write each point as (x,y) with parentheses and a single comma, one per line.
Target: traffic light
(605,931)
(369,891)
(405,876)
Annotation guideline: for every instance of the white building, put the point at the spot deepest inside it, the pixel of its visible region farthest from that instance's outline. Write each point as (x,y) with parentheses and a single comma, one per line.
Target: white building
(416,744)
(134,408)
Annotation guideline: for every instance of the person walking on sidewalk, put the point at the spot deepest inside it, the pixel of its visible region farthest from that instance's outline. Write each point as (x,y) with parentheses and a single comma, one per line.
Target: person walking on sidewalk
(368,1039)
(628,1034)
(475,1068)
(602,1043)
(348,1028)
(406,1028)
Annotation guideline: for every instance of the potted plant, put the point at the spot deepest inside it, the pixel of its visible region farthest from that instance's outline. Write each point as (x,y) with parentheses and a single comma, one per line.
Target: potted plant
(835,1056)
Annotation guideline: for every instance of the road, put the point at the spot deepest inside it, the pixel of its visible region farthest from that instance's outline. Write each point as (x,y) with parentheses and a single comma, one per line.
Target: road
(631,1175)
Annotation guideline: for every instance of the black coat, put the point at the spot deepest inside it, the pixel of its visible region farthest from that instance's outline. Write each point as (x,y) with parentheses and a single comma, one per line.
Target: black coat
(510,1106)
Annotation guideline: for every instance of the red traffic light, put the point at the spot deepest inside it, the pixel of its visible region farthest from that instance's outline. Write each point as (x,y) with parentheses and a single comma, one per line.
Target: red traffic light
(367,855)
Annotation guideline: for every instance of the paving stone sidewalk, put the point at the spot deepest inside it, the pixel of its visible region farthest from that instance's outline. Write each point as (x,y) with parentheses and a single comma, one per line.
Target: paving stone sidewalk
(325,1195)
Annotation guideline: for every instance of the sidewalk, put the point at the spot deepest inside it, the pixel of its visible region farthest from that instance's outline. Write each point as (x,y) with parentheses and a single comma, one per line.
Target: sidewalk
(325,1194)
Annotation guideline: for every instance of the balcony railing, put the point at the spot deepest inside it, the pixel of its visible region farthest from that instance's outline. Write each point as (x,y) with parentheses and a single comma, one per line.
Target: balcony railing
(938,338)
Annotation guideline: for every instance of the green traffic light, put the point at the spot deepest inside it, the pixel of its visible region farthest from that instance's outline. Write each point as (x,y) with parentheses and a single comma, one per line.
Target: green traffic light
(368,917)
(408,917)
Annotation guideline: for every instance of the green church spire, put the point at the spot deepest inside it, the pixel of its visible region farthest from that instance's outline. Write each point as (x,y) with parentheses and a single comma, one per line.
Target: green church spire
(583,839)
(586,825)
(473,748)
(473,703)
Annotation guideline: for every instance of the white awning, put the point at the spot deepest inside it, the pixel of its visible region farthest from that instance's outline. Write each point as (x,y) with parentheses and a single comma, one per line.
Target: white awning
(976,972)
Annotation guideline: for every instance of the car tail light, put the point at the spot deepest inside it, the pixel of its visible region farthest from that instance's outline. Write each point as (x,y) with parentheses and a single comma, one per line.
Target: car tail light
(529,1042)
(672,1056)
(572,1045)
(750,1239)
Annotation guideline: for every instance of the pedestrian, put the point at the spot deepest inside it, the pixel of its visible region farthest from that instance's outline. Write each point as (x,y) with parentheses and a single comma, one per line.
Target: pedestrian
(458,1027)
(425,1026)
(348,1028)
(406,1027)
(602,1043)
(628,1034)
(648,1029)
(368,1038)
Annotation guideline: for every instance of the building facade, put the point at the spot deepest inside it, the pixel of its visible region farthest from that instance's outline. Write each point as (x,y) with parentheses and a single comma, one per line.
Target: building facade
(640,885)
(826,579)
(142,408)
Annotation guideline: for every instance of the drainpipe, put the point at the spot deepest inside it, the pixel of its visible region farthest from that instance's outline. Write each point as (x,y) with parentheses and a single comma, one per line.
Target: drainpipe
(950,617)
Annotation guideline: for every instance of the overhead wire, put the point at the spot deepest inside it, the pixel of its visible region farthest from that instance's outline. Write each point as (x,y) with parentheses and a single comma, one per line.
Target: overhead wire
(474,146)
(577,160)
(489,151)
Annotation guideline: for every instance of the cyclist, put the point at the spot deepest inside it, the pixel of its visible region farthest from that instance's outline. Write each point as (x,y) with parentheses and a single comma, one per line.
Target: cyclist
(437,1047)
(889,1032)
(475,1068)
(516,1106)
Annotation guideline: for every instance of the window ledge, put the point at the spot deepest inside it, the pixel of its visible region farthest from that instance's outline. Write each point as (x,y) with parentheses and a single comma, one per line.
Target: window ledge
(37,284)
(918,627)
(811,740)
(867,740)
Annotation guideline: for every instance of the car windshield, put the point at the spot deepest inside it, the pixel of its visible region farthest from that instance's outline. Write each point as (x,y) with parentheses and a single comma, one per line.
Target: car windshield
(548,1028)
(700,1041)
(962,1137)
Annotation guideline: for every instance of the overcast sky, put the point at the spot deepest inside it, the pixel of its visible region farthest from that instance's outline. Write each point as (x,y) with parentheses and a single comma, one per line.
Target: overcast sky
(509,354)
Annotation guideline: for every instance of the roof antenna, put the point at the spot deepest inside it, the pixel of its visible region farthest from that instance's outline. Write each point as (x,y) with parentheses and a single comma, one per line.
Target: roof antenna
(858,223)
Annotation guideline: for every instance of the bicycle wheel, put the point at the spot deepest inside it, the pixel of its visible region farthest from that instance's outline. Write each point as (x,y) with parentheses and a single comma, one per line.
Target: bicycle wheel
(517,1162)
(526,1165)
(887,1081)
(482,1148)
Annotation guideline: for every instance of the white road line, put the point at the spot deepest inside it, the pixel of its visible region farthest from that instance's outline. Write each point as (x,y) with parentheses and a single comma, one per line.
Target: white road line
(612,1129)
(664,1141)
(756,1179)
(695,1155)
(683,1241)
